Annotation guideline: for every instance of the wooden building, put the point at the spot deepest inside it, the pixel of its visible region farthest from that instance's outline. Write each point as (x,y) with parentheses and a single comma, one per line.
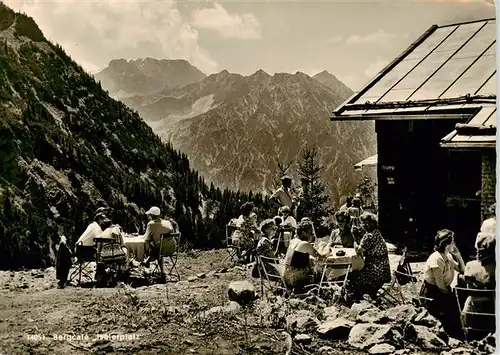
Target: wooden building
(434,112)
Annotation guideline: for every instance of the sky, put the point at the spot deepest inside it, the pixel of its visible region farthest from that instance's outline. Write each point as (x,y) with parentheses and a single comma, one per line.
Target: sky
(351,39)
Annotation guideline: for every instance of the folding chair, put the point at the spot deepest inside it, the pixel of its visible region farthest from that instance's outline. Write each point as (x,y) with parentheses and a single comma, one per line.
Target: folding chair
(161,255)
(84,256)
(282,244)
(233,250)
(110,255)
(329,284)
(475,324)
(271,272)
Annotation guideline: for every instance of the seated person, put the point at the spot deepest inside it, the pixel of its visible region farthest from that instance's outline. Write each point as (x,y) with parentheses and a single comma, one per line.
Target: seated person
(439,273)
(289,224)
(266,245)
(155,229)
(342,235)
(376,270)
(247,230)
(480,274)
(116,252)
(94,229)
(313,238)
(298,271)
(490,224)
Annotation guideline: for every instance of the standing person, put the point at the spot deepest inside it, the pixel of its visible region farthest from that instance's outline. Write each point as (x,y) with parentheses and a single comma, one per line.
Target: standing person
(302,195)
(284,194)
(346,205)
(439,273)
(63,262)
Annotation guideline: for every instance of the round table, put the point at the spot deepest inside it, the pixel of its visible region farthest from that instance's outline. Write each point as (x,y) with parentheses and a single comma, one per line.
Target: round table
(135,246)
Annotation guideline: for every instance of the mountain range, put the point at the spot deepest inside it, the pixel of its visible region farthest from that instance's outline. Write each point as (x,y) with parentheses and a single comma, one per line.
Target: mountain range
(68,148)
(236,128)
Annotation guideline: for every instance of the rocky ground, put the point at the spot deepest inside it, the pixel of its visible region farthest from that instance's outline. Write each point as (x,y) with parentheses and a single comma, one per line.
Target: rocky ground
(195,316)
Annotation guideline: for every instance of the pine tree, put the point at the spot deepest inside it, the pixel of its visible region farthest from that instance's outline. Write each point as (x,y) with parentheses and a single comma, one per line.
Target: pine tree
(314,202)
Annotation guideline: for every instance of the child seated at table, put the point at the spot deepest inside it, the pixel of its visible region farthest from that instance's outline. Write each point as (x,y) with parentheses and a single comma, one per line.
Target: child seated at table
(298,271)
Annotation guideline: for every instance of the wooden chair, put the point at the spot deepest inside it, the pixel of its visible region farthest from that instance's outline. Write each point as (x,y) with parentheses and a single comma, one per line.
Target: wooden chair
(271,272)
(476,325)
(110,257)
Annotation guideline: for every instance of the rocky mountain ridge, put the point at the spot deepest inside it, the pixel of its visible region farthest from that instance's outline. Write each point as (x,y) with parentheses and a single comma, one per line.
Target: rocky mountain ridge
(235,128)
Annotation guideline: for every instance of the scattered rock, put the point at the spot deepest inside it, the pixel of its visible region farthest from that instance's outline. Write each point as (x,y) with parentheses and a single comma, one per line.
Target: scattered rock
(303,339)
(458,351)
(365,335)
(192,278)
(188,341)
(242,292)
(372,316)
(424,337)
(331,312)
(232,307)
(382,349)
(336,328)
(302,321)
(222,271)
(402,352)
(201,275)
(401,314)
(298,304)
(358,309)
(324,350)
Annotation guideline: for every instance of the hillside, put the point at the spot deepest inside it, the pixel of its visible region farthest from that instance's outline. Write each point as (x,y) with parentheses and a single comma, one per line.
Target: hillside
(146,75)
(234,128)
(68,148)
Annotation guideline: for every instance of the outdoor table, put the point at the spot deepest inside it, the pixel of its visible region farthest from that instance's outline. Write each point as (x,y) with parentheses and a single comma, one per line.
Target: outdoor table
(136,246)
(356,261)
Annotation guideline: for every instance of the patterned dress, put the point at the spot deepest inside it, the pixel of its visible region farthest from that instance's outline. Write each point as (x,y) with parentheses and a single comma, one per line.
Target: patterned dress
(376,271)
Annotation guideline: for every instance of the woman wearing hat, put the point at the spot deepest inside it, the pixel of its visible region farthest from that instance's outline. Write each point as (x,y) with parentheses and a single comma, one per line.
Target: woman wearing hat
(439,273)
(376,270)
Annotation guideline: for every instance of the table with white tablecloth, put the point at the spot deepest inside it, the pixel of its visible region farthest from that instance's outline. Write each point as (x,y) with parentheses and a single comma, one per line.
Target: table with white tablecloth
(331,256)
(135,246)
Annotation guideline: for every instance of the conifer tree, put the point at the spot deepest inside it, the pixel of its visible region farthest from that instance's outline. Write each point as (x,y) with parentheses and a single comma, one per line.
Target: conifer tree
(314,202)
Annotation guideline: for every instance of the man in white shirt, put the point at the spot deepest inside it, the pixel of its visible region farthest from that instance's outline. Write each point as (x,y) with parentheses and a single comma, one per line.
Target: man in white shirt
(94,229)
(284,194)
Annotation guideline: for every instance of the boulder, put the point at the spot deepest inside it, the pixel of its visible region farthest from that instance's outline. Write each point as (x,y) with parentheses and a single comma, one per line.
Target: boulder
(365,335)
(232,307)
(201,275)
(401,314)
(332,312)
(382,349)
(372,316)
(302,321)
(192,278)
(459,351)
(242,292)
(338,328)
(302,339)
(424,337)
(358,309)
(422,317)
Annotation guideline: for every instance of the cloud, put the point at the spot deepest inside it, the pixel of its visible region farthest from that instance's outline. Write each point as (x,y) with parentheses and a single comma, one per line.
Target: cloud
(379,36)
(375,67)
(218,19)
(93,33)
(334,39)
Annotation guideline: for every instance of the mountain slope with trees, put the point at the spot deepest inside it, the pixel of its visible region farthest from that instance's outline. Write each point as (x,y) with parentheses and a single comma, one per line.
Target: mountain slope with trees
(68,148)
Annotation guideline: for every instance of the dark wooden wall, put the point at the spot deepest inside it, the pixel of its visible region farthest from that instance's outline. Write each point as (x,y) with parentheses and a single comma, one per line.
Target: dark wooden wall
(414,181)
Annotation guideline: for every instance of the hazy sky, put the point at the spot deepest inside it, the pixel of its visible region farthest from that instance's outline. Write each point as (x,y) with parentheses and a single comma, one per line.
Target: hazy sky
(352,40)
